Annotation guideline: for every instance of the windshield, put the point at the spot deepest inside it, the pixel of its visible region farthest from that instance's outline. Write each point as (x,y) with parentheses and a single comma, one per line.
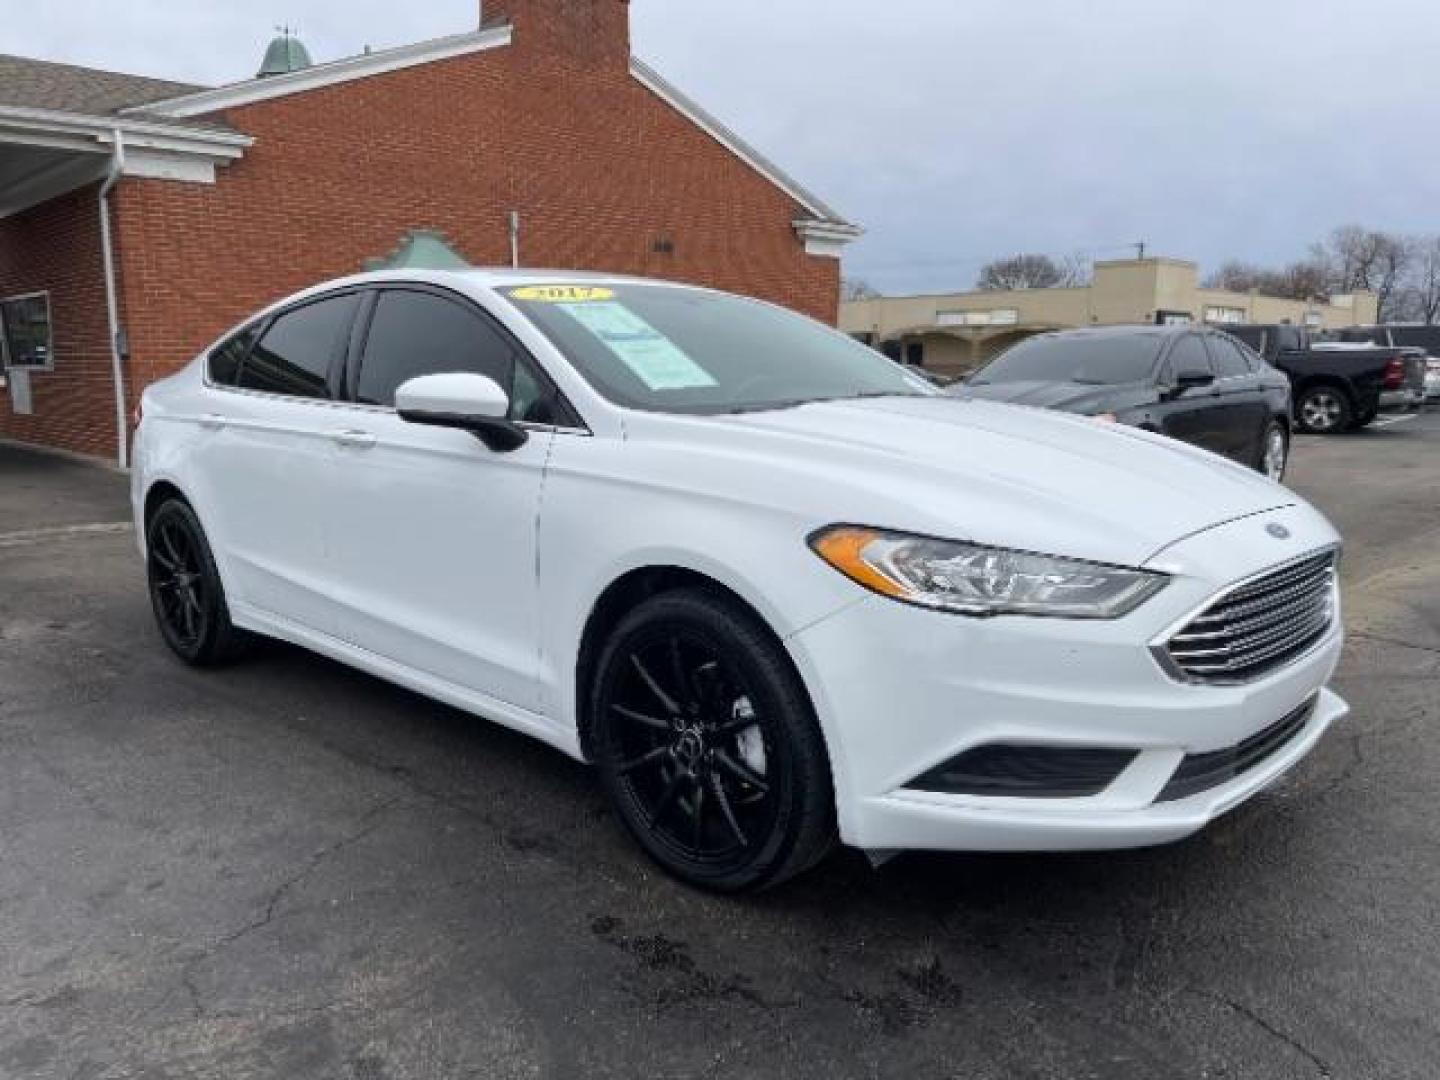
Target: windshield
(1100,361)
(668,349)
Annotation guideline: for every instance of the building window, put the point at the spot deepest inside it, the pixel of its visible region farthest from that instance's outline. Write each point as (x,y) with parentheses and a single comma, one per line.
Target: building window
(995,317)
(1314,320)
(26,332)
(1222,315)
(915,354)
(864,339)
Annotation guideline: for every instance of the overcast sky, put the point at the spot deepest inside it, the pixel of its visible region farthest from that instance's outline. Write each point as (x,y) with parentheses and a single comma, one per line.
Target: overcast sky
(956,130)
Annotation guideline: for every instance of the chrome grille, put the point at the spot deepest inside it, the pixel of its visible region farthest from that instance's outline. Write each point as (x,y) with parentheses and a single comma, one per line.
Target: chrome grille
(1258,627)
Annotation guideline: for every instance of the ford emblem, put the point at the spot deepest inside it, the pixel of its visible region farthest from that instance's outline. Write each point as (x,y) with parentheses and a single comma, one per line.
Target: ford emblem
(1280,532)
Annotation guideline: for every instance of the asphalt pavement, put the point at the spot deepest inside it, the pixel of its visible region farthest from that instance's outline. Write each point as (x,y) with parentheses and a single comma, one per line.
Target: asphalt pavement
(288,869)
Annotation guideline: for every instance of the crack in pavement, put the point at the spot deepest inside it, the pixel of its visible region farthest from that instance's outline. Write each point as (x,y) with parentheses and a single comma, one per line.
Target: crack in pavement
(369,823)
(1270,1029)
(1381,639)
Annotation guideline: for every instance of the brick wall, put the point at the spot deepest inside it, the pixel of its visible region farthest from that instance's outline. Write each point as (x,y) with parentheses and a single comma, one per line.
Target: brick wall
(601,170)
(56,247)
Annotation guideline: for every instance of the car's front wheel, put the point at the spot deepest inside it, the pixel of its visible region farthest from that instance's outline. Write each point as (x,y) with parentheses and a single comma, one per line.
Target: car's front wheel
(1274,452)
(1323,410)
(185,589)
(707,744)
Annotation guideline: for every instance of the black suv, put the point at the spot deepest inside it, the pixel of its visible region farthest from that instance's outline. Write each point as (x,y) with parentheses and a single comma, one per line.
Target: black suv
(1196,385)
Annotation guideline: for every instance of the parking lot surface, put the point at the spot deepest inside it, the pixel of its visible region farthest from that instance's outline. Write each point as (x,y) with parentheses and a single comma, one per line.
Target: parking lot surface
(288,869)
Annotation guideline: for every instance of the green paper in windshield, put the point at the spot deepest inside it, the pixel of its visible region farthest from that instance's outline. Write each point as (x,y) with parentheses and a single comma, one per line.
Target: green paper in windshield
(654,359)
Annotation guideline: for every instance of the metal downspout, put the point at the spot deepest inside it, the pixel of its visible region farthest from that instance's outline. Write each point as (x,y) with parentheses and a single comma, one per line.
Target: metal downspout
(112,306)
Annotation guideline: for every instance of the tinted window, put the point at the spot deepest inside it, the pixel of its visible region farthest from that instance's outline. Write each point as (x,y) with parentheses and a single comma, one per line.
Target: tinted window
(25,326)
(1189,358)
(416,333)
(1228,360)
(1420,337)
(295,355)
(225,360)
(1105,360)
(683,350)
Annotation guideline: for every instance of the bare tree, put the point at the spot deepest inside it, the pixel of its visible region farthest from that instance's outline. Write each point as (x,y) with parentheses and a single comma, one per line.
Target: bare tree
(1021,272)
(1303,280)
(1360,258)
(856,289)
(1418,297)
(1076,271)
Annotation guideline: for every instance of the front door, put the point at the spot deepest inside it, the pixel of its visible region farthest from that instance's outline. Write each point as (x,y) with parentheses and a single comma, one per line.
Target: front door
(1245,415)
(1194,415)
(432,535)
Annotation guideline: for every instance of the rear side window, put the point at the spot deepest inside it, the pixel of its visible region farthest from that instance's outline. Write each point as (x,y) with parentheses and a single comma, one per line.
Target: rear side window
(1229,361)
(297,353)
(225,359)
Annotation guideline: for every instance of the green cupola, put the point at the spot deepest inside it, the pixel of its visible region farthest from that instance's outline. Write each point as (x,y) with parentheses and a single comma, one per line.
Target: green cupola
(286,54)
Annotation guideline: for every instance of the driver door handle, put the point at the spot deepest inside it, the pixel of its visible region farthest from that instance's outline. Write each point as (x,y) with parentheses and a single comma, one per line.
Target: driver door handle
(359,440)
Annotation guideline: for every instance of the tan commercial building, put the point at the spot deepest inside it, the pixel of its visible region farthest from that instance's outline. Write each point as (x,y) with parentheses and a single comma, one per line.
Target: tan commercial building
(955,333)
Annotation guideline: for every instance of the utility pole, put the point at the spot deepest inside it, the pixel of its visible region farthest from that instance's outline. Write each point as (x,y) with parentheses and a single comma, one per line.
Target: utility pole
(1140,250)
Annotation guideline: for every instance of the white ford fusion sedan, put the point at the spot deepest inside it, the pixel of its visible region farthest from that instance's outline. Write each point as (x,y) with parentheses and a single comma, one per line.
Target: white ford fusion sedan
(777,590)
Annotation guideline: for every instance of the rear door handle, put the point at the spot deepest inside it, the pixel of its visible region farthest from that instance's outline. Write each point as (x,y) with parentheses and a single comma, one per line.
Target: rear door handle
(213,421)
(359,440)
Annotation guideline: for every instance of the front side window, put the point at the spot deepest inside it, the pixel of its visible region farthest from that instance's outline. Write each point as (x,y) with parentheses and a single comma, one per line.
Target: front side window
(415,333)
(297,353)
(1092,360)
(1189,359)
(25,326)
(1229,361)
(667,349)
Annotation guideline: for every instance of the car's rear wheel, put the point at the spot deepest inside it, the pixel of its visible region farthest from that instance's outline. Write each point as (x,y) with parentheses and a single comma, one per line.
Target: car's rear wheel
(1323,410)
(185,589)
(707,744)
(1274,452)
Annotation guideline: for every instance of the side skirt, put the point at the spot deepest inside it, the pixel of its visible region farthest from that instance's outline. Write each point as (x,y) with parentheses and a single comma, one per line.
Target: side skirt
(487,708)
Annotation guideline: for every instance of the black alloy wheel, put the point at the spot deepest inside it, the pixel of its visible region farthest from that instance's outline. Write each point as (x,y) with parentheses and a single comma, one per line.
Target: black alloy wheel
(185,589)
(707,745)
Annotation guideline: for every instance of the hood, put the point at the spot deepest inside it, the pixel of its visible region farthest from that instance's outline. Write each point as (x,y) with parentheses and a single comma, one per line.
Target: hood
(1085,398)
(997,474)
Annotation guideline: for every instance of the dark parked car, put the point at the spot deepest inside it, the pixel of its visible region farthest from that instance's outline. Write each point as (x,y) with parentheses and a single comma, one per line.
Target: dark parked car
(1336,388)
(1195,385)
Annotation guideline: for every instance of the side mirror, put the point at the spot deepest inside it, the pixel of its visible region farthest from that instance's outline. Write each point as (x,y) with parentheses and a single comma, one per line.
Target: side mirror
(1188,380)
(473,403)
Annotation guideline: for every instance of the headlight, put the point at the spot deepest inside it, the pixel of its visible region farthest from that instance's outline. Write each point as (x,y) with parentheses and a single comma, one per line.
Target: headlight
(973,580)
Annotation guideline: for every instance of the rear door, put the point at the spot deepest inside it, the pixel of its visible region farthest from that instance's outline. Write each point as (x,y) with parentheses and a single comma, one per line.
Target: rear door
(1244,414)
(1194,415)
(433,536)
(264,457)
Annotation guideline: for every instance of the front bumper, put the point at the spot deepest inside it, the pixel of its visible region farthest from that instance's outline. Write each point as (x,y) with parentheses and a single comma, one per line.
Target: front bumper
(901,690)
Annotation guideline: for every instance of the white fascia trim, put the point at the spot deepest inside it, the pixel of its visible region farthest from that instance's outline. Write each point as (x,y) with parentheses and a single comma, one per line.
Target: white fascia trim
(79,132)
(828,239)
(333,74)
(687,107)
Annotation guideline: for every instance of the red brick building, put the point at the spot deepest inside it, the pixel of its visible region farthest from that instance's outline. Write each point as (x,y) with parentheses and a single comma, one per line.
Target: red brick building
(537,133)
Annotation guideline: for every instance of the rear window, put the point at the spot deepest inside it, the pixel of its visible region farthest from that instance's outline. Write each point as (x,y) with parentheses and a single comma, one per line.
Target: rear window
(1100,361)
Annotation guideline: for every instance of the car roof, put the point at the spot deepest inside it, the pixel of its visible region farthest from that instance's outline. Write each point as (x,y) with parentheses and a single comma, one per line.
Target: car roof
(1092,333)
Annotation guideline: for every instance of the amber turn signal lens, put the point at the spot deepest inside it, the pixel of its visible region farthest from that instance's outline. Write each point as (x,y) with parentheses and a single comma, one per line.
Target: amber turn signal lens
(844,549)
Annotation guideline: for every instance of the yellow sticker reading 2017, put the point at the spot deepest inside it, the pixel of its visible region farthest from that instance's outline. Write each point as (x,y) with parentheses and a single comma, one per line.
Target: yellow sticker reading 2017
(561,294)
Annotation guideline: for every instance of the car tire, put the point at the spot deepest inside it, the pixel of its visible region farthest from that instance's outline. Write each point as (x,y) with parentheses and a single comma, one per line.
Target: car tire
(1274,456)
(186,593)
(707,744)
(1324,410)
